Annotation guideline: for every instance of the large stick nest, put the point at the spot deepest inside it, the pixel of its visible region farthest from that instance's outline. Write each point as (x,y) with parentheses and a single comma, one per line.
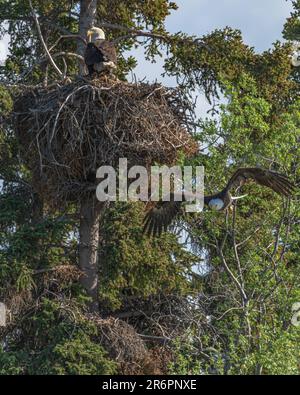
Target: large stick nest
(67,132)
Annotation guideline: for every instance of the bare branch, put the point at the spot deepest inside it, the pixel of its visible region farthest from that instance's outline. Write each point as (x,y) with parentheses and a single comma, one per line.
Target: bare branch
(53,269)
(235,248)
(159,339)
(67,36)
(67,54)
(227,268)
(46,59)
(232,276)
(132,33)
(43,41)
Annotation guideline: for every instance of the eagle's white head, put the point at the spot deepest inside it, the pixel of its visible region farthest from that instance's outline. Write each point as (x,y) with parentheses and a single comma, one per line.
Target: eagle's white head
(94,34)
(216,204)
(295,57)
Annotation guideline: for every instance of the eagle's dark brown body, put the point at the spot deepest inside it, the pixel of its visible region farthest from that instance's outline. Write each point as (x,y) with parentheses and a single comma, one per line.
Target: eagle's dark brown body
(100,56)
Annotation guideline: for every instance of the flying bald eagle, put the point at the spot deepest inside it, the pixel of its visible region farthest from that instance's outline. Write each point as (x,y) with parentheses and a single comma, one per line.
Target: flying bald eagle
(100,54)
(159,217)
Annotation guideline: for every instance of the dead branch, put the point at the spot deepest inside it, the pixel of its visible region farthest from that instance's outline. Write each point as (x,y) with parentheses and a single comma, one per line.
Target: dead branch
(67,36)
(220,247)
(43,41)
(132,33)
(159,339)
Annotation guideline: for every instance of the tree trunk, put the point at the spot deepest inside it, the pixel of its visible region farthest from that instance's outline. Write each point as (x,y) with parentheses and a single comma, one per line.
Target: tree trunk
(90,208)
(88,248)
(88,10)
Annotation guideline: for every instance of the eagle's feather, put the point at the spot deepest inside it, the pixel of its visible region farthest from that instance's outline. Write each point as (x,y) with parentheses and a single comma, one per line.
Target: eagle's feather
(159,217)
(97,56)
(276,181)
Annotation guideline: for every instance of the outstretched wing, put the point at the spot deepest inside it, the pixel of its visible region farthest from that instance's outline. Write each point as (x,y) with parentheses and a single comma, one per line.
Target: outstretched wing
(104,52)
(159,217)
(108,51)
(276,181)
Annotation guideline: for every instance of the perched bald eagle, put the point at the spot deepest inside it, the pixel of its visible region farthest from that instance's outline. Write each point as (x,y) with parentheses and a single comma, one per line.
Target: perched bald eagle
(159,217)
(100,54)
